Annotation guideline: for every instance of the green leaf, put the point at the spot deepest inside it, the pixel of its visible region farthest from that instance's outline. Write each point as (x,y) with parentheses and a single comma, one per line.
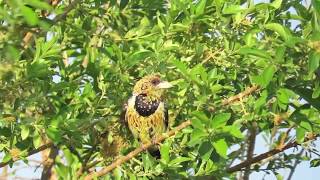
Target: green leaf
(200,7)
(316,91)
(280,54)
(7,157)
(300,133)
(316,5)
(38,4)
(36,139)
(62,170)
(69,156)
(235,131)
(138,56)
(179,160)
(5,131)
(221,147)
(254,52)
(280,30)
(161,25)
(205,150)
(266,76)
(39,69)
(306,94)
(197,123)
(315,163)
(276,4)
(279,177)
(123,3)
(54,134)
(164,151)
(283,95)
(201,116)
(313,62)
(29,15)
(25,130)
(232,9)
(181,66)
(197,136)
(260,102)
(219,120)
(306,125)
(147,163)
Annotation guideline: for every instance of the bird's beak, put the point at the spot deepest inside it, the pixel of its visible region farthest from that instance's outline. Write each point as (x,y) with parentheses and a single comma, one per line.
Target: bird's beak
(164,85)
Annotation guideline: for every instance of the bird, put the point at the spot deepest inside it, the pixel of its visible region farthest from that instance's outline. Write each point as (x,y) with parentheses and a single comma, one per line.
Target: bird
(146,113)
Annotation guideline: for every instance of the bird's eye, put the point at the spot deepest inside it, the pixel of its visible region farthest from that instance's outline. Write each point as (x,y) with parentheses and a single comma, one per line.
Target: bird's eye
(155,81)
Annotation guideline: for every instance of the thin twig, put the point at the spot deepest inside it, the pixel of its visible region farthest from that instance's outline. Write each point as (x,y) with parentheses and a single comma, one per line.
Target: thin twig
(296,162)
(172,132)
(239,96)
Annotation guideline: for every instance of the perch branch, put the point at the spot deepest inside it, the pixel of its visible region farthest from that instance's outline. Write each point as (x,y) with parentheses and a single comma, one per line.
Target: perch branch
(172,132)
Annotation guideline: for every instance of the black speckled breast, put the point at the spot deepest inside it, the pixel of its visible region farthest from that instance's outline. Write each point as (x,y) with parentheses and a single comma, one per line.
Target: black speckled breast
(144,107)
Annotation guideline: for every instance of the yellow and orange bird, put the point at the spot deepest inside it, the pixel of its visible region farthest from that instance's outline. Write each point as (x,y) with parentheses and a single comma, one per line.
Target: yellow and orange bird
(146,114)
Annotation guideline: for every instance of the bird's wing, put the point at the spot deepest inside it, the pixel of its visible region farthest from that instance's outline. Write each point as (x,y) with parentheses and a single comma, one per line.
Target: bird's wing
(123,118)
(166,116)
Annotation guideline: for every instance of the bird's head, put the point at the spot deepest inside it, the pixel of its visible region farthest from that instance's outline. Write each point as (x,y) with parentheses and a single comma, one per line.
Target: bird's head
(151,86)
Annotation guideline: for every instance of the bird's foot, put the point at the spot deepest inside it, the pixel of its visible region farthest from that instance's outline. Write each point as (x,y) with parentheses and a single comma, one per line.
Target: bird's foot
(155,141)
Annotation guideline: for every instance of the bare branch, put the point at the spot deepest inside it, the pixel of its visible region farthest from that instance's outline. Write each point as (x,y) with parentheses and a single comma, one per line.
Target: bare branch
(265,155)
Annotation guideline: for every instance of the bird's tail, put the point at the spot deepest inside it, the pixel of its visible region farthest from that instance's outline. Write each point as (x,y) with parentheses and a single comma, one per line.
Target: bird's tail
(154,152)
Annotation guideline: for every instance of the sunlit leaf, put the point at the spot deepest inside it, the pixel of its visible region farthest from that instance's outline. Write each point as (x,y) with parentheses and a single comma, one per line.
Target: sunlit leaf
(221,147)
(29,15)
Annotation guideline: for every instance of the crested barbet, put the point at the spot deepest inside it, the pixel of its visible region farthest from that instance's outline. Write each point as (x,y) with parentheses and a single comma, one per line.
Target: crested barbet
(146,114)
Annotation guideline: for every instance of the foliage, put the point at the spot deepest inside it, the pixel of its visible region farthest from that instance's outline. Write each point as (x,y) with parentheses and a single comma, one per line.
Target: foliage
(67,69)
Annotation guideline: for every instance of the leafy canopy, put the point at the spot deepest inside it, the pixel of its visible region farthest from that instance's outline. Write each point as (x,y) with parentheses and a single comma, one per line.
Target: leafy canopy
(68,66)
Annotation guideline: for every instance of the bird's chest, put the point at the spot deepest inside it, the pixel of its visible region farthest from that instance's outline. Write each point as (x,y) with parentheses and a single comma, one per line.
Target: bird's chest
(145,118)
(145,107)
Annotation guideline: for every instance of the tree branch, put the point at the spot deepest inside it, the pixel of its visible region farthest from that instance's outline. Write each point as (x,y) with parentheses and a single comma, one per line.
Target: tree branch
(296,162)
(32,152)
(71,6)
(251,145)
(48,163)
(138,150)
(28,36)
(239,96)
(172,132)
(265,155)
